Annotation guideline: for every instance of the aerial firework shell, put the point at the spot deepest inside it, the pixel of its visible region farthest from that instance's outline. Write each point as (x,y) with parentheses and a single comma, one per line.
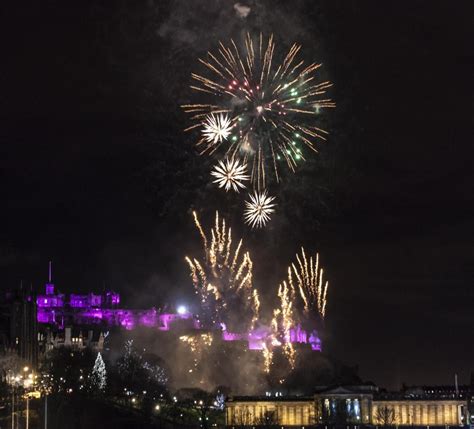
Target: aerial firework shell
(272,103)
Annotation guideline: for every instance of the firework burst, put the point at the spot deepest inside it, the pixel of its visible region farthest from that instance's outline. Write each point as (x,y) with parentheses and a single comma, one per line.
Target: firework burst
(273,105)
(216,129)
(223,280)
(258,209)
(230,174)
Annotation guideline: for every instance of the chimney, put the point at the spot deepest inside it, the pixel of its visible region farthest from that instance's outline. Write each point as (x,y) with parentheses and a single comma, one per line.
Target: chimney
(50,285)
(67,336)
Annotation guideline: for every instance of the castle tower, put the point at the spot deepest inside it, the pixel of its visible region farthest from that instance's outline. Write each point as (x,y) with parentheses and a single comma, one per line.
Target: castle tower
(50,285)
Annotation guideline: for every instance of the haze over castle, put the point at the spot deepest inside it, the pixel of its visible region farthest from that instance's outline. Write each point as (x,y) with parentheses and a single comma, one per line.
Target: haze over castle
(37,321)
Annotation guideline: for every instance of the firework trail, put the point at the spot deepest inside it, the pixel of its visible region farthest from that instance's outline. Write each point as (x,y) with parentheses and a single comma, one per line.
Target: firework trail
(306,278)
(223,280)
(258,107)
(302,302)
(282,322)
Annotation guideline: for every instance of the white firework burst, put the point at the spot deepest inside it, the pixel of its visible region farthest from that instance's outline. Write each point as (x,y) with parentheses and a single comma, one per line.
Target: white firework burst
(230,174)
(258,210)
(216,128)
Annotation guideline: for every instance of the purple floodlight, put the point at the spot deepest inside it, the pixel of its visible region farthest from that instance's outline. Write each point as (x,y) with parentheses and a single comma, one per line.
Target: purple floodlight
(59,310)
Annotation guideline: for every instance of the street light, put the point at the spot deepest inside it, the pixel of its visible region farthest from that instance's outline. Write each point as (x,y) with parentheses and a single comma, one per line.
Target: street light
(27,411)
(182,309)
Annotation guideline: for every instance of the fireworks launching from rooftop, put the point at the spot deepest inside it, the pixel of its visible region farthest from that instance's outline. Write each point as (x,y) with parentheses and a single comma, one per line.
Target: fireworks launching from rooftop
(223,280)
(302,305)
(305,278)
(283,322)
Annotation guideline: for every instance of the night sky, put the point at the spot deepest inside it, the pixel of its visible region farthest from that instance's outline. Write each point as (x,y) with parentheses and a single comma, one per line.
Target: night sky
(97,175)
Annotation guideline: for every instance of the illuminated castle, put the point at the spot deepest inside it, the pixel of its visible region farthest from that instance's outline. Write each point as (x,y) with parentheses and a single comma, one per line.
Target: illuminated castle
(63,310)
(60,311)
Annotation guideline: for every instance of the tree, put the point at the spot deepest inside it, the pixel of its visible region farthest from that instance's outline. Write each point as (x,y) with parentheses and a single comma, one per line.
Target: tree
(98,377)
(10,364)
(65,370)
(135,373)
(219,401)
(242,417)
(385,415)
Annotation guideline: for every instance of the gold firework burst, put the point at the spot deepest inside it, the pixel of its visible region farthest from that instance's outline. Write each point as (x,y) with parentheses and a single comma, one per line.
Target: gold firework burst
(273,103)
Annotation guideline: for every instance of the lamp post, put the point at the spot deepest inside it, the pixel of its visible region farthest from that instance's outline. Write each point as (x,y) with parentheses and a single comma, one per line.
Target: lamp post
(46,411)
(27,412)
(14,384)
(13,407)
(25,383)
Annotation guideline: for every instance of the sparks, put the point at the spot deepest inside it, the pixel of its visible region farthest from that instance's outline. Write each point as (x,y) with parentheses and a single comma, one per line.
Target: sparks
(311,286)
(258,210)
(230,174)
(302,304)
(283,320)
(273,102)
(223,280)
(216,128)
(309,289)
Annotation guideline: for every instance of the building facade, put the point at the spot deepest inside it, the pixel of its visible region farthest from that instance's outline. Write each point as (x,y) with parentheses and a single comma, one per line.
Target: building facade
(416,412)
(24,327)
(352,405)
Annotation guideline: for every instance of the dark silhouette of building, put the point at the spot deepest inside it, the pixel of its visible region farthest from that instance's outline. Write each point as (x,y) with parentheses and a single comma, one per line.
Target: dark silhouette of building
(24,336)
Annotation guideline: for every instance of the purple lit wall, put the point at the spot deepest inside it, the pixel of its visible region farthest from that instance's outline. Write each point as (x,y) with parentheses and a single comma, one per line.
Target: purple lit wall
(59,310)
(49,289)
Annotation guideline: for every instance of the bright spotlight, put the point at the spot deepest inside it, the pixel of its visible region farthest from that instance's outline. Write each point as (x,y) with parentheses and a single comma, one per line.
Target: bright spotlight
(182,309)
